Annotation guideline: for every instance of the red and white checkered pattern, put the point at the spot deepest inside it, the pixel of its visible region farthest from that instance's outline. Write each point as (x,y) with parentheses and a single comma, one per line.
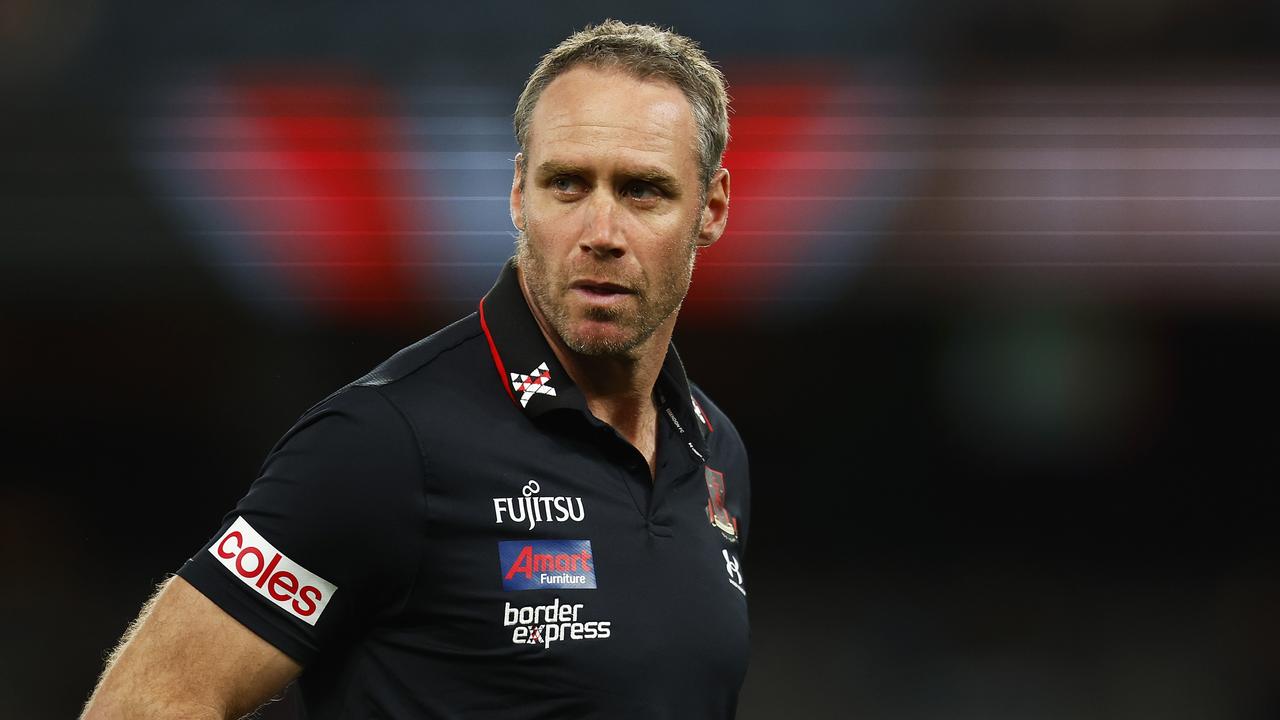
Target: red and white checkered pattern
(535,383)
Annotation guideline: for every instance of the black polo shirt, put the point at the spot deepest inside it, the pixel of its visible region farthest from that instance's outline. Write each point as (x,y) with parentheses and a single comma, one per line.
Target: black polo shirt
(454,535)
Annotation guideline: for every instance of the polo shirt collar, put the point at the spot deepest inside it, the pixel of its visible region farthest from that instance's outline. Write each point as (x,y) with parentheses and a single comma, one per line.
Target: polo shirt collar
(537,383)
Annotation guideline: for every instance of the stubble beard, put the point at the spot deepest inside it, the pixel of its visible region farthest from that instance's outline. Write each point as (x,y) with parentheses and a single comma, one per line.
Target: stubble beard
(655,304)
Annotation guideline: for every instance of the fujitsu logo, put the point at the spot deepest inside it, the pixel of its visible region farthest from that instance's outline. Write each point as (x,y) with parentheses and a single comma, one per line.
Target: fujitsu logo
(533,509)
(271,574)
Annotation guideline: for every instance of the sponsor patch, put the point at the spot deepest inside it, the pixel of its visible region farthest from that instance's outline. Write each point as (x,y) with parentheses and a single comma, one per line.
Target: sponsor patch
(717,513)
(271,574)
(557,622)
(541,564)
(533,509)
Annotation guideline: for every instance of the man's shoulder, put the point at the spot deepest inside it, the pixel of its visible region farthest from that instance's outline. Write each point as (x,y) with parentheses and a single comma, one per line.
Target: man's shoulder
(423,354)
(717,422)
(425,360)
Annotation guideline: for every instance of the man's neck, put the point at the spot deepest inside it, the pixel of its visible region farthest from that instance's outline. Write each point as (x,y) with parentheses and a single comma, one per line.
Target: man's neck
(618,389)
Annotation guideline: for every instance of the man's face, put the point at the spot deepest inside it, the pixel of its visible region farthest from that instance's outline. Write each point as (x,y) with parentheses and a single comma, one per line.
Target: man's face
(610,211)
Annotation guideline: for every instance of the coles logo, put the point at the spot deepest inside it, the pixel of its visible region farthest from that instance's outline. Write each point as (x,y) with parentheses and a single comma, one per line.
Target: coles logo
(297,590)
(538,564)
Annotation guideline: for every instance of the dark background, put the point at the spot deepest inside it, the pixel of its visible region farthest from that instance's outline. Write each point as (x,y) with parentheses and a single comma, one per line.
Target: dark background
(996,315)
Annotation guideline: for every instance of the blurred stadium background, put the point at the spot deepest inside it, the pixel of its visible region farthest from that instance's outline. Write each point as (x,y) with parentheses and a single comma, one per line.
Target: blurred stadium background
(996,314)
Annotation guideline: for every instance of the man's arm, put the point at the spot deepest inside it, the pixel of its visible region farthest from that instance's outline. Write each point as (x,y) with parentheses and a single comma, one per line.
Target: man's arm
(185,657)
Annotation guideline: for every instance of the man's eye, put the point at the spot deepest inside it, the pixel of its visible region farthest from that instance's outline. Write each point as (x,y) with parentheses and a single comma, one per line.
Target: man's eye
(641,191)
(564,184)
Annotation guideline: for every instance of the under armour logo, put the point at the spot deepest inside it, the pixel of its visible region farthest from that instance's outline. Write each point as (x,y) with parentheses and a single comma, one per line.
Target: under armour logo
(732,567)
(535,383)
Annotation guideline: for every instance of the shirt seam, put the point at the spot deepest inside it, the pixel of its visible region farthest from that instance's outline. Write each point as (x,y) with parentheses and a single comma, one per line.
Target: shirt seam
(424,465)
(424,364)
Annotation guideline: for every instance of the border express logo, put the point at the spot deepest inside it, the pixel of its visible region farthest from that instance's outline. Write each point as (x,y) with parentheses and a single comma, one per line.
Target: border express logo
(545,624)
(541,564)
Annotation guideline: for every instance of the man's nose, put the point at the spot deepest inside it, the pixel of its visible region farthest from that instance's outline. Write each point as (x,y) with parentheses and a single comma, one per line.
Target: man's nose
(603,234)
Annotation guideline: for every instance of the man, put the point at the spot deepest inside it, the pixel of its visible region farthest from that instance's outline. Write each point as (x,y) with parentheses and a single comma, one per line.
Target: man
(529,514)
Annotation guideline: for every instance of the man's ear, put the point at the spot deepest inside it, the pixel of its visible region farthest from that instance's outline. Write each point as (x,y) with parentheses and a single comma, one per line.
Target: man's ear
(715,214)
(516,201)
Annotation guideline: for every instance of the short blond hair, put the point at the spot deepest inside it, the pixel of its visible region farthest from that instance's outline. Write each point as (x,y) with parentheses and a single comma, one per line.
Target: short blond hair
(643,51)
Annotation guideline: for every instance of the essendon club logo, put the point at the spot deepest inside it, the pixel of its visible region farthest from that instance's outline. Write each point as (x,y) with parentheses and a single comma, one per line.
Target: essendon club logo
(717,513)
(295,589)
(537,382)
(538,564)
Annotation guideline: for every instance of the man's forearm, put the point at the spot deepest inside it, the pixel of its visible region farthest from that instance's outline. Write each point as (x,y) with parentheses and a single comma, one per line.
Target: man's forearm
(112,706)
(184,658)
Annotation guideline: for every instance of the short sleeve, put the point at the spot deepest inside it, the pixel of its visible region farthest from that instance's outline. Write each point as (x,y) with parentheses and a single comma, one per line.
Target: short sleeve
(328,538)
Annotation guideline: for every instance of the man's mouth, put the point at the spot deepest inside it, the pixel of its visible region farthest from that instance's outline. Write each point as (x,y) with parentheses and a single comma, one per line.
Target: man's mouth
(592,288)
